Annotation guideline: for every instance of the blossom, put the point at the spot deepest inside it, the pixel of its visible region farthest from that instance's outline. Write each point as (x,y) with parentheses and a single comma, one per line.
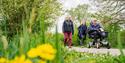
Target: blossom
(21,59)
(2,60)
(33,53)
(28,61)
(42,61)
(45,51)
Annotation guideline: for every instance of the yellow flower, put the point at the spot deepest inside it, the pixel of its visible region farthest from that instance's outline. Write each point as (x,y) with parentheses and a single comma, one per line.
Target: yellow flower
(42,61)
(33,53)
(20,59)
(46,51)
(3,60)
(28,61)
(47,48)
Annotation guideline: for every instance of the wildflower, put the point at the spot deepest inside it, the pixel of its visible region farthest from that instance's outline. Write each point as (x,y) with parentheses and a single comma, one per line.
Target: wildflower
(42,61)
(2,60)
(21,59)
(46,51)
(28,61)
(18,59)
(33,53)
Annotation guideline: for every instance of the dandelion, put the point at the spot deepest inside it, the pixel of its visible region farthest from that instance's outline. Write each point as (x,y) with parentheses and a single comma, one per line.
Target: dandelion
(2,60)
(28,61)
(45,51)
(42,61)
(21,59)
(33,53)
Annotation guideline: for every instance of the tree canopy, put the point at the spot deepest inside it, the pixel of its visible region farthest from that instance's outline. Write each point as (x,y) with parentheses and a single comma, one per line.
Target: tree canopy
(30,12)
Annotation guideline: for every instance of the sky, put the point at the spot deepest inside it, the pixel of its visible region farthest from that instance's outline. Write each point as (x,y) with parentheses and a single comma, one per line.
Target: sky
(67,5)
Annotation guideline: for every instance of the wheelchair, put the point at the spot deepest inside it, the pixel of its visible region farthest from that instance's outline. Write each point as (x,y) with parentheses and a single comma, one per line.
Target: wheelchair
(99,39)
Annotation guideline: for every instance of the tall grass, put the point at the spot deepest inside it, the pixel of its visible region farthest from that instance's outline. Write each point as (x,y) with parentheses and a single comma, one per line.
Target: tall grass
(25,40)
(59,58)
(121,58)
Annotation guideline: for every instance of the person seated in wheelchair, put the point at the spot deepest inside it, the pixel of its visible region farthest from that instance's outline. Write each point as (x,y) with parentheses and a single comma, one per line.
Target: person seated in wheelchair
(96,32)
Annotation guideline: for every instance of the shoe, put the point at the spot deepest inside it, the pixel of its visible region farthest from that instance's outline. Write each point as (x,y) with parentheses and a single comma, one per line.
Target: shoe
(81,43)
(70,46)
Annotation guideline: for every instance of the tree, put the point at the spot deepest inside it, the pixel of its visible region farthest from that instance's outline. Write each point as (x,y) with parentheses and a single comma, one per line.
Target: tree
(80,12)
(30,12)
(110,11)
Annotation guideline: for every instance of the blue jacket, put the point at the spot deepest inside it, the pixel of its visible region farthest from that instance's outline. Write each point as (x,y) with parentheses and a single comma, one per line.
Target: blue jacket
(68,26)
(94,27)
(82,31)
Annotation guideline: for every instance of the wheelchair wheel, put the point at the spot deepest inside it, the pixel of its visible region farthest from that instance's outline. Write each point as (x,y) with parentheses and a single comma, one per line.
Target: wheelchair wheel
(97,45)
(108,46)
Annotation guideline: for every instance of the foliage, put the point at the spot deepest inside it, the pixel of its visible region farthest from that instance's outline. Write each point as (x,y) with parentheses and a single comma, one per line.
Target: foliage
(80,12)
(75,37)
(45,54)
(77,57)
(15,12)
(26,22)
(31,42)
(109,13)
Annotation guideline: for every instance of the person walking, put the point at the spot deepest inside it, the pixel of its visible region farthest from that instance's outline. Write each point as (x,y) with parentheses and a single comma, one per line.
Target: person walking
(82,31)
(68,31)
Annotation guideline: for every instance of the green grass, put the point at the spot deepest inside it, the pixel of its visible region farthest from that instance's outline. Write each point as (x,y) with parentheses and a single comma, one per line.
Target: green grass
(20,44)
(77,57)
(24,41)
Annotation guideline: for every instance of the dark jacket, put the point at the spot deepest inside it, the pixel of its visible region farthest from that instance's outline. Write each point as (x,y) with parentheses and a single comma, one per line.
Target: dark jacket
(94,27)
(82,29)
(93,30)
(68,26)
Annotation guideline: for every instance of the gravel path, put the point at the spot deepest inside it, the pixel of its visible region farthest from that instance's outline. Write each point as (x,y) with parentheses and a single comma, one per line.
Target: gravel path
(114,52)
